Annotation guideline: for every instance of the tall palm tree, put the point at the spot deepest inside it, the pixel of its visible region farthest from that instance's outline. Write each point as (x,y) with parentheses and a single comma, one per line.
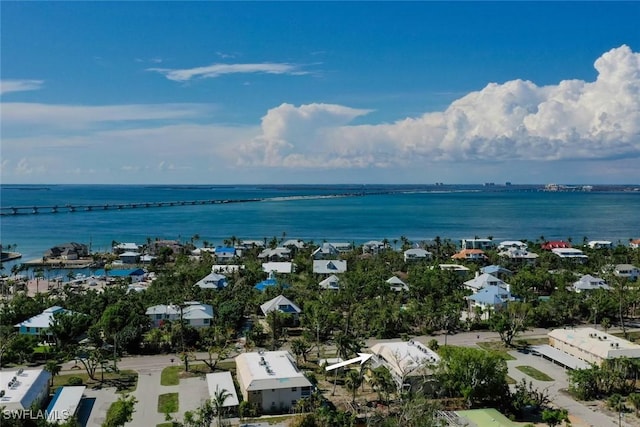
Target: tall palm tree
(352,382)
(218,399)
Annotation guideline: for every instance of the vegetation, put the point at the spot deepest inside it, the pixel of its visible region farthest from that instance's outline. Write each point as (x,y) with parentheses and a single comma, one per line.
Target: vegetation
(168,403)
(120,412)
(534,373)
(170,375)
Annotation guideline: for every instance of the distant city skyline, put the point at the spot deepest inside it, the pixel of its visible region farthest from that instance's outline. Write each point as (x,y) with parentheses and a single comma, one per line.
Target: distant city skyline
(320,92)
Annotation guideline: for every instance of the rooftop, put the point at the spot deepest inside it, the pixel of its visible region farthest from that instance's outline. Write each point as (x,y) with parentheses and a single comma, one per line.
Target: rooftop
(599,343)
(269,370)
(22,387)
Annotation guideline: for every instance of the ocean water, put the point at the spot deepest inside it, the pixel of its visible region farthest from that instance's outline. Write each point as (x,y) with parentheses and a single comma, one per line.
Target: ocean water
(313,213)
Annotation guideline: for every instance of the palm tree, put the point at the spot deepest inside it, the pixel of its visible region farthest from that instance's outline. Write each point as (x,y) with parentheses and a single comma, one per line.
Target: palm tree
(352,382)
(53,368)
(218,399)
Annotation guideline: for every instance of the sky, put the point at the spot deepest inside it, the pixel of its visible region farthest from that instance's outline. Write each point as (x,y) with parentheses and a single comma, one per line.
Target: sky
(319,92)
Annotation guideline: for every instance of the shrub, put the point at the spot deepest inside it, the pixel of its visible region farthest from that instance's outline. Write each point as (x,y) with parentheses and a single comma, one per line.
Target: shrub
(74,381)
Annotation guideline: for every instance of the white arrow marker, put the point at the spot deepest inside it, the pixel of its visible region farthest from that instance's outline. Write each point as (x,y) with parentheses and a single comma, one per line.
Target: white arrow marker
(362,357)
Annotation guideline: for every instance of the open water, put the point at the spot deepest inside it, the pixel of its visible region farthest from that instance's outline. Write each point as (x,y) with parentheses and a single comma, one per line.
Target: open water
(366,213)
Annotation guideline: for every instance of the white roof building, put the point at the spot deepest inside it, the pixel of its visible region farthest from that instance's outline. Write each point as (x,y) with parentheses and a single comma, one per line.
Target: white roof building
(278,267)
(416,254)
(570,253)
(23,388)
(65,403)
(275,253)
(589,283)
(461,269)
(404,359)
(600,244)
(282,304)
(397,284)
(332,282)
(212,281)
(223,381)
(41,322)
(193,313)
(332,266)
(483,280)
(515,244)
(592,345)
(271,380)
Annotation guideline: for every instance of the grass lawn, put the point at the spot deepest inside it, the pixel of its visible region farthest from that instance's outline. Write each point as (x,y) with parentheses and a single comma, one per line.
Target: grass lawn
(170,375)
(168,403)
(532,341)
(534,373)
(278,419)
(125,381)
(497,348)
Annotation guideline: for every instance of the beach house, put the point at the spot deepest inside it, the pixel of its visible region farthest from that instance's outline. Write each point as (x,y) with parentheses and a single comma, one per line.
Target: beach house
(193,313)
(409,362)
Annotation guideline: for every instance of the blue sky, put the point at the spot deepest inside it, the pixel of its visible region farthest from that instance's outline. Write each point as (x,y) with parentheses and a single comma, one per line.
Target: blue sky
(327,92)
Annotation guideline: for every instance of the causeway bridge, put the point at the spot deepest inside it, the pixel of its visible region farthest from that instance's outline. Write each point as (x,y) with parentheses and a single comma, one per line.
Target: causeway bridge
(34,210)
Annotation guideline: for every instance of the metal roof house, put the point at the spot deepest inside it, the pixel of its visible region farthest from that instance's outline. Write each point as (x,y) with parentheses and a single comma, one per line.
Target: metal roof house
(40,323)
(271,380)
(333,266)
(282,304)
(212,281)
(23,388)
(407,361)
(193,314)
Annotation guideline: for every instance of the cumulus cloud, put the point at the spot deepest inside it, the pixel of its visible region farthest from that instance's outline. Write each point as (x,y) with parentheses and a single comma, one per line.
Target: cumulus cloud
(217,70)
(515,120)
(7,86)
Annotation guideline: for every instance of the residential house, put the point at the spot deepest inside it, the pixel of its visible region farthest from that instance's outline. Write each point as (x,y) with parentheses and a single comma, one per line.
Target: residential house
(628,271)
(519,255)
(342,247)
(269,282)
(483,280)
(278,267)
(396,284)
(275,254)
(283,305)
(409,362)
(129,257)
(213,281)
(225,254)
(134,275)
(470,255)
(333,266)
(252,244)
(416,254)
(592,345)
(555,244)
(374,247)
(332,282)
(326,251)
(483,244)
(570,253)
(457,268)
(271,380)
(496,270)
(589,283)
(490,299)
(600,244)
(515,244)
(40,323)
(293,243)
(125,247)
(193,313)
(634,244)
(68,251)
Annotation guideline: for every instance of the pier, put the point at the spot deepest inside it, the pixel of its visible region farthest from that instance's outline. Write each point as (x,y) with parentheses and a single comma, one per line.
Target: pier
(69,208)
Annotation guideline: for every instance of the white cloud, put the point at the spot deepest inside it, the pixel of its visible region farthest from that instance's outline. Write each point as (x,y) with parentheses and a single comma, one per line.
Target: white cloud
(515,120)
(7,86)
(217,70)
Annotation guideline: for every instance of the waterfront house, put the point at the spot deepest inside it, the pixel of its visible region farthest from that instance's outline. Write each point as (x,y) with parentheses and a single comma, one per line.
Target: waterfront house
(508,244)
(125,247)
(134,275)
(333,266)
(634,244)
(416,254)
(555,244)
(373,247)
(212,281)
(293,243)
(68,251)
(342,247)
(271,380)
(332,282)
(589,283)
(483,244)
(193,313)
(40,323)
(129,257)
(600,244)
